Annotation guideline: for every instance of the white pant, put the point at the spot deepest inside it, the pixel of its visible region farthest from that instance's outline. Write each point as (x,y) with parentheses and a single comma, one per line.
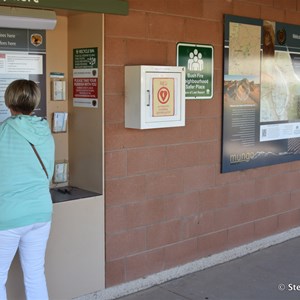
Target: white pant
(31,241)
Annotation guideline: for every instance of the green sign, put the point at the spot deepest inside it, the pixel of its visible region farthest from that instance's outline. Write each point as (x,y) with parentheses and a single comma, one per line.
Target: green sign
(85,58)
(198,61)
(100,6)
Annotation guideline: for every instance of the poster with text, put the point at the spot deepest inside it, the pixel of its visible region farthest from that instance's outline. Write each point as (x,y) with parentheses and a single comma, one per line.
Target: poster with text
(22,56)
(261,93)
(163,97)
(85,77)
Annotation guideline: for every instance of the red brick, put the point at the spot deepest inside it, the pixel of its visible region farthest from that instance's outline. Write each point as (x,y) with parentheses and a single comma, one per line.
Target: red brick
(163,234)
(198,178)
(206,31)
(200,129)
(295,199)
(181,253)
(214,198)
(263,2)
(246,9)
(144,213)
(289,219)
(210,129)
(209,110)
(114,272)
(257,209)
(295,165)
(182,205)
(146,160)
(212,243)
(114,109)
(241,234)
(280,203)
(278,169)
(116,164)
(146,263)
(198,225)
(229,178)
(149,52)
(215,9)
(218,62)
(115,219)
(115,51)
(185,155)
(190,8)
(242,191)
(164,183)
(266,226)
(217,92)
(273,14)
(171,59)
(165,136)
(133,25)
(285,5)
(192,109)
(191,132)
(209,153)
(271,185)
(262,172)
(114,81)
(117,137)
(229,217)
(292,180)
(125,190)
(125,243)
(166,28)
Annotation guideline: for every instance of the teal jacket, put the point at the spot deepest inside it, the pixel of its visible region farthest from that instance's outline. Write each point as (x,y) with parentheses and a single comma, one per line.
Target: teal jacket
(24,188)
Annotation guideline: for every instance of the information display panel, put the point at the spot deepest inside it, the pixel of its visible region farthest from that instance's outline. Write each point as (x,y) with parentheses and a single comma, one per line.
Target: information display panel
(22,56)
(261,95)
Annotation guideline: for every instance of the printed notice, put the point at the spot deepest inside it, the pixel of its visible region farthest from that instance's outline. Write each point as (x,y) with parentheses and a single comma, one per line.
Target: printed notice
(21,64)
(163,97)
(22,56)
(85,77)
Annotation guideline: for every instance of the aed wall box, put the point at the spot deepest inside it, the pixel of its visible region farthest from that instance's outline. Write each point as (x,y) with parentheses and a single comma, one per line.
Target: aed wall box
(154,96)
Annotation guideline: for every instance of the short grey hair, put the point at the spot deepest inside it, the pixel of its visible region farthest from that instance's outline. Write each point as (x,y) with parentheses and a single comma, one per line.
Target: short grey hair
(22,96)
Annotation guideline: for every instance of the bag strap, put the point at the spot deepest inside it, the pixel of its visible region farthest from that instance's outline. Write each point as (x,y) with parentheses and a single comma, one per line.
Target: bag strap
(39,158)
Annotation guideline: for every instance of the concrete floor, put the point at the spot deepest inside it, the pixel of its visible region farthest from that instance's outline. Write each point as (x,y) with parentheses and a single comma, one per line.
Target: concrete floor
(269,274)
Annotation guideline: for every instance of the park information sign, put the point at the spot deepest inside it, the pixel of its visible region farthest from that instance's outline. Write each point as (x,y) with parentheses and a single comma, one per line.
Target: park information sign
(22,56)
(198,62)
(261,96)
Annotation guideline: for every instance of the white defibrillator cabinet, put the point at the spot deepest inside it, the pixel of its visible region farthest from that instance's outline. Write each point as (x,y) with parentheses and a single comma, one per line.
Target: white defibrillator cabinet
(154,96)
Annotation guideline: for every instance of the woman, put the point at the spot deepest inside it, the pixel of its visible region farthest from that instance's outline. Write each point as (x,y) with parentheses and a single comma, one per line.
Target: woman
(25,200)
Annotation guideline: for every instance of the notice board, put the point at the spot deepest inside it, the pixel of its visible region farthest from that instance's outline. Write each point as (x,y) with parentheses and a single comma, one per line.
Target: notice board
(22,56)
(261,93)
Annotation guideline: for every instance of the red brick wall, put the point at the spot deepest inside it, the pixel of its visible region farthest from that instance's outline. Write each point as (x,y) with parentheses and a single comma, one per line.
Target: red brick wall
(166,201)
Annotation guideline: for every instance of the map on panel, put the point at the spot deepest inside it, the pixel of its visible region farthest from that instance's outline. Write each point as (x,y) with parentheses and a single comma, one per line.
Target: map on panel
(244,48)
